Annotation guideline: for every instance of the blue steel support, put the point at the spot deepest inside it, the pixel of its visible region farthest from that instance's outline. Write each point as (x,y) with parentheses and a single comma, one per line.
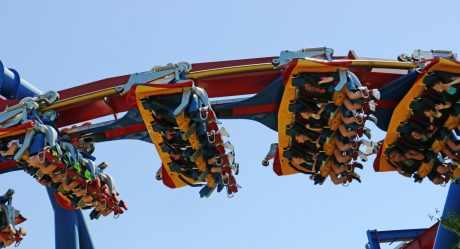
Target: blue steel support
(375,237)
(69,227)
(83,234)
(373,240)
(12,86)
(65,225)
(445,238)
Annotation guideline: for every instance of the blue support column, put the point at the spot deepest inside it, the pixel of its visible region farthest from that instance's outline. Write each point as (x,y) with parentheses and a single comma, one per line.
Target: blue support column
(373,240)
(83,234)
(70,227)
(12,86)
(65,225)
(445,238)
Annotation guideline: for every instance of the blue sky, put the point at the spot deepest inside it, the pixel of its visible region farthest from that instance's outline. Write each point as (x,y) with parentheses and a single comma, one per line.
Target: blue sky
(57,44)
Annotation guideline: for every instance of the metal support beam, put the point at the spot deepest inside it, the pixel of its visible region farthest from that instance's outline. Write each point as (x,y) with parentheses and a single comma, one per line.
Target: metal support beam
(375,237)
(84,238)
(12,86)
(70,229)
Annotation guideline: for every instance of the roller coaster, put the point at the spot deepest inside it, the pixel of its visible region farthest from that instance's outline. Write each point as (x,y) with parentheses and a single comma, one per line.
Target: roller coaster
(318,103)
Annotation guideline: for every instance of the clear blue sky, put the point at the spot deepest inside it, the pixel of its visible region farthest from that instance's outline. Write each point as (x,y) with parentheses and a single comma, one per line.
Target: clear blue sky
(60,44)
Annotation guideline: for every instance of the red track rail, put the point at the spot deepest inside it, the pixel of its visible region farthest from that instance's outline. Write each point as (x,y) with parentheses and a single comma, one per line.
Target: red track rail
(425,240)
(219,86)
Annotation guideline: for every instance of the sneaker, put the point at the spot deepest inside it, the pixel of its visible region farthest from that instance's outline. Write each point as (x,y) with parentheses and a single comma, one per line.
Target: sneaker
(376,94)
(223,132)
(362,156)
(367,132)
(231,158)
(229,146)
(318,179)
(22,231)
(123,205)
(372,118)
(417,178)
(158,175)
(115,197)
(237,168)
(103,166)
(9,192)
(356,177)
(370,146)
(454,179)
(358,165)
(94,214)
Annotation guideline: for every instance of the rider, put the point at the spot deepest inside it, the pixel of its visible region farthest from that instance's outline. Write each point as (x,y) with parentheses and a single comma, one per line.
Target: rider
(8,218)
